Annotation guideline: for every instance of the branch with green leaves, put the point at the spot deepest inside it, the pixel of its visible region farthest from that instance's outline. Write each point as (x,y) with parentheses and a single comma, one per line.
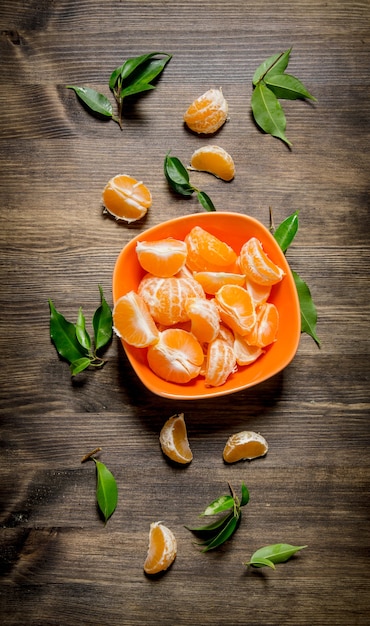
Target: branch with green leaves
(271,83)
(134,76)
(73,342)
(178,178)
(106,486)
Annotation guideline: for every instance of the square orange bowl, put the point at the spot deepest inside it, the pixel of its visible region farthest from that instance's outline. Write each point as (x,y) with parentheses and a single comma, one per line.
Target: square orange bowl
(235,229)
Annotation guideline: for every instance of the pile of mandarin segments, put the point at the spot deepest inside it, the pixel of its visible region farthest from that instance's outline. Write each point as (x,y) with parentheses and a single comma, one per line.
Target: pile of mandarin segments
(200,308)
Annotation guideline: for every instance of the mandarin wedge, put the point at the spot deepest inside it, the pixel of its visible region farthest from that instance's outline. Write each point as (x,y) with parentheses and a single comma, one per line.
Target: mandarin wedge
(126,198)
(244,353)
(259,293)
(162,549)
(266,327)
(177,356)
(220,363)
(244,446)
(258,267)
(133,322)
(166,297)
(236,308)
(214,160)
(207,113)
(174,440)
(162,258)
(204,317)
(213,281)
(206,252)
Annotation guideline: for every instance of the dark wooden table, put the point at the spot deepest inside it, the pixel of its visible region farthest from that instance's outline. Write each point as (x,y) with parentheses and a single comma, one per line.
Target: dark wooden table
(60,565)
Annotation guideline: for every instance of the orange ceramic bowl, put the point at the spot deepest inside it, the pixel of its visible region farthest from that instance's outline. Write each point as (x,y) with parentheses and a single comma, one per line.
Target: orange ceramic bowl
(234,229)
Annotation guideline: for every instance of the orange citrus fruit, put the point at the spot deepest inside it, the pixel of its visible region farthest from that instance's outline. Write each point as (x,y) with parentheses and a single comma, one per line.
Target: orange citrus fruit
(244,446)
(166,297)
(236,308)
(206,252)
(214,160)
(265,329)
(212,281)
(220,363)
(174,440)
(259,293)
(207,113)
(244,353)
(162,549)
(177,356)
(205,318)
(257,266)
(163,258)
(133,322)
(126,198)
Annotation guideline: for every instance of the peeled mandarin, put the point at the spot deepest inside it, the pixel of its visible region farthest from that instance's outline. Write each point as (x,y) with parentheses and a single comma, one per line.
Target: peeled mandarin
(244,446)
(206,252)
(257,265)
(132,321)
(207,113)
(236,308)
(176,357)
(220,363)
(214,160)
(244,353)
(126,198)
(205,318)
(162,549)
(174,440)
(162,258)
(212,281)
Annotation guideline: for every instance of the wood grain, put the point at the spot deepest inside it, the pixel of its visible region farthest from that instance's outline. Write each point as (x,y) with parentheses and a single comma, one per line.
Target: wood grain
(59,564)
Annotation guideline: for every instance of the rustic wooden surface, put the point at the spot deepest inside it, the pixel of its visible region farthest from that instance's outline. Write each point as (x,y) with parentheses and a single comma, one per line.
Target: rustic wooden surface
(59,564)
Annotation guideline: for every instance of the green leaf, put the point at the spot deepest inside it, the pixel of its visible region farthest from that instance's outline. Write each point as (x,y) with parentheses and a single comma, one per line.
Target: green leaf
(205,201)
(102,323)
(177,176)
(245,495)
(212,527)
(129,66)
(78,366)
(81,333)
(135,88)
(307,307)
(275,553)
(276,64)
(286,231)
(225,534)
(144,74)
(268,113)
(96,101)
(106,490)
(63,335)
(220,504)
(261,562)
(287,87)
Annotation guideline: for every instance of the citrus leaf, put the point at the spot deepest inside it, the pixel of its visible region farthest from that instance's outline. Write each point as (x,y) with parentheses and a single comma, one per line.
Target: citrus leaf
(177,176)
(286,231)
(135,88)
(268,113)
(63,335)
(308,309)
(227,531)
(102,323)
(276,64)
(130,65)
(82,335)
(210,527)
(287,87)
(96,101)
(106,490)
(245,495)
(220,504)
(78,366)
(205,201)
(261,562)
(275,553)
(144,74)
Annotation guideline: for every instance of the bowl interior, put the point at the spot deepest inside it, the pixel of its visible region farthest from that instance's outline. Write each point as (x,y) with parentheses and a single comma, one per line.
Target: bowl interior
(234,229)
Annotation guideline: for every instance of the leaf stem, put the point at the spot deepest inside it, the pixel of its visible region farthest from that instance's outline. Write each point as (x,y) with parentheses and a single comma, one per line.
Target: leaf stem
(88,456)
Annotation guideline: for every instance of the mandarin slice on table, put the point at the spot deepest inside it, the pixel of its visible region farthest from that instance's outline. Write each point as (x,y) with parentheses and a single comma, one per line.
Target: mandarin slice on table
(205,318)
(162,549)
(258,267)
(220,363)
(236,308)
(206,252)
(163,258)
(213,281)
(126,198)
(174,440)
(207,113)
(177,356)
(266,327)
(214,160)
(133,322)
(244,446)
(166,297)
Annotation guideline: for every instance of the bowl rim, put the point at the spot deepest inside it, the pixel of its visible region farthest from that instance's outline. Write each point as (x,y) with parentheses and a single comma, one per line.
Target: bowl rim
(181,392)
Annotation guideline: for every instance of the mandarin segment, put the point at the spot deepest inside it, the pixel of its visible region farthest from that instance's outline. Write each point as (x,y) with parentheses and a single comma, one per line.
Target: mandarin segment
(162,549)
(174,440)
(257,265)
(220,363)
(205,318)
(236,308)
(207,113)
(245,354)
(259,293)
(206,252)
(132,321)
(266,327)
(126,198)
(213,281)
(214,160)
(244,446)
(176,357)
(162,258)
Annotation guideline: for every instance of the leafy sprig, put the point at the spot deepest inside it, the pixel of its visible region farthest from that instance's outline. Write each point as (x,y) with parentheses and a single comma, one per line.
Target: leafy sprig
(134,76)
(271,83)
(272,554)
(73,342)
(106,486)
(218,532)
(178,179)
(284,235)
